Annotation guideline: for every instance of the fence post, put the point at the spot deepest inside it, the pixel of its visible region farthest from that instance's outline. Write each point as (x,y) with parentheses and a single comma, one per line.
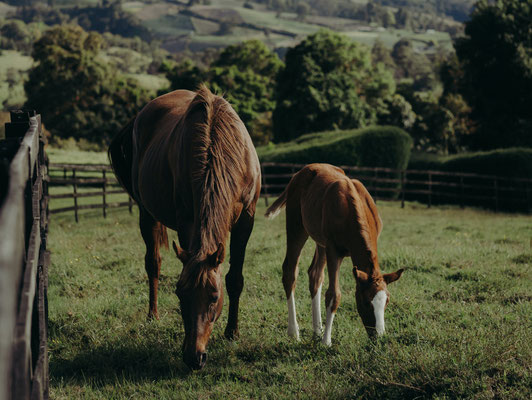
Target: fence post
(496,189)
(374,184)
(527,197)
(65,173)
(461,191)
(403,178)
(263,179)
(75,194)
(430,189)
(130,204)
(103,194)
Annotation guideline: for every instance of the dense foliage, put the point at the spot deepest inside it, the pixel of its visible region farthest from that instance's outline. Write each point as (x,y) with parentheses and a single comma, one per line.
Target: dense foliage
(383,146)
(495,75)
(512,162)
(329,82)
(76,93)
(245,74)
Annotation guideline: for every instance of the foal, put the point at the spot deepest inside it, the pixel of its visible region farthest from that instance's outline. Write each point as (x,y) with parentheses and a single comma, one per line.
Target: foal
(342,218)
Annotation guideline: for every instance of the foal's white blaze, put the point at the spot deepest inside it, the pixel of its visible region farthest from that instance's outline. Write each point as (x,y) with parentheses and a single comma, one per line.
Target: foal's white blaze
(379,302)
(316,312)
(293,328)
(328,325)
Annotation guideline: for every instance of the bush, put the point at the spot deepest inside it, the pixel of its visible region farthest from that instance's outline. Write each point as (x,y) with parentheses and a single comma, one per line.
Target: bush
(379,146)
(512,162)
(477,191)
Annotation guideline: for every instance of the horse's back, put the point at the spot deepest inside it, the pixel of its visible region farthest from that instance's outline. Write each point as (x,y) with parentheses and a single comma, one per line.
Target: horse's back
(334,209)
(173,147)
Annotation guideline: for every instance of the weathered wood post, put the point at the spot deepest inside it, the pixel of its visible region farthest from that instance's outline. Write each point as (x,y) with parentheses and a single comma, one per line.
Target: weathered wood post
(430,189)
(461,191)
(23,260)
(75,181)
(403,178)
(496,193)
(264,188)
(103,194)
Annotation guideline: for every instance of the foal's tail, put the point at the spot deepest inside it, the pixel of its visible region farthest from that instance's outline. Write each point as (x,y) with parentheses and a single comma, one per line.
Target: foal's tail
(277,206)
(120,155)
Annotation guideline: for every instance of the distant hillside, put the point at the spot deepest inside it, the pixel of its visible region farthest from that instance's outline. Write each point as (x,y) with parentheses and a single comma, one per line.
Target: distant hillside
(180,27)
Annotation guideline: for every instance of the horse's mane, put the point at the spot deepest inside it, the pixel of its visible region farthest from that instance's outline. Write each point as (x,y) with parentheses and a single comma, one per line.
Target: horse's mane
(218,163)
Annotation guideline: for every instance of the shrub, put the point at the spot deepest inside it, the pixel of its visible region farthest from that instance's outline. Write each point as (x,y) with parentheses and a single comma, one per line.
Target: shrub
(512,162)
(379,146)
(509,163)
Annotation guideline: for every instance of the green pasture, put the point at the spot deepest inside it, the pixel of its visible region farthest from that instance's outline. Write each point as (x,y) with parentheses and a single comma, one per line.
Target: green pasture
(459,322)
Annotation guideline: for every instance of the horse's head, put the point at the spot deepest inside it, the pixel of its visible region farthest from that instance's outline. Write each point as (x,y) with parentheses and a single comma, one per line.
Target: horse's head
(200,292)
(372,298)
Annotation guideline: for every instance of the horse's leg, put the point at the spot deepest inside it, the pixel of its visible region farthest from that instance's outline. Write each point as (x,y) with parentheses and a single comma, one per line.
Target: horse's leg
(333,295)
(150,230)
(234,279)
(315,280)
(296,236)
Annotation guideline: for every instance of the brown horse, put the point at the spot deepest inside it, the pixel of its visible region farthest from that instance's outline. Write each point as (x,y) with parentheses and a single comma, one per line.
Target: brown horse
(188,161)
(342,218)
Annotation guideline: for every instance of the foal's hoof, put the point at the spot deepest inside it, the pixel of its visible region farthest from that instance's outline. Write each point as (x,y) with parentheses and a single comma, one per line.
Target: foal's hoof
(231,334)
(152,316)
(294,334)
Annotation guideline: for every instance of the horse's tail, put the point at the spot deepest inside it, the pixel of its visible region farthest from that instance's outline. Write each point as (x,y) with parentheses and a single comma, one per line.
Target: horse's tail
(120,155)
(277,206)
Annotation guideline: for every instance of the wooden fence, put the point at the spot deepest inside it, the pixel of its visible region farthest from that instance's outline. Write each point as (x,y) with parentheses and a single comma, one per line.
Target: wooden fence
(24,260)
(430,187)
(94,176)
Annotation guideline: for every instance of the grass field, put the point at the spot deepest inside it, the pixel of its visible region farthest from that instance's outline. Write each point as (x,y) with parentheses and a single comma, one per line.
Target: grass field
(459,323)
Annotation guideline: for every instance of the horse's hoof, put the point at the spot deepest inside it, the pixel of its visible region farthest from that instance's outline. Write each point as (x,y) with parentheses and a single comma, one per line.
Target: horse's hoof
(153,316)
(294,334)
(231,334)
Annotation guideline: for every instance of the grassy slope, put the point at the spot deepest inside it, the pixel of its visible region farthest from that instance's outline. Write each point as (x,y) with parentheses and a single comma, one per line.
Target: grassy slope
(165,21)
(458,324)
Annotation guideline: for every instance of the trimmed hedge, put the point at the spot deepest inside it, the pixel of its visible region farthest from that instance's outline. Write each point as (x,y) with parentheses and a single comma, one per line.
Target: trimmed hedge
(512,162)
(378,146)
(506,163)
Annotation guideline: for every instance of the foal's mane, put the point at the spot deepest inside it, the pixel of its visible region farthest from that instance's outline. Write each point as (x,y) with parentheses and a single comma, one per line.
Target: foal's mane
(218,163)
(368,218)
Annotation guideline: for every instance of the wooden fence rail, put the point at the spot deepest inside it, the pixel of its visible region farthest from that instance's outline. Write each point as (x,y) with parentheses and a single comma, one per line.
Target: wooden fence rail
(83,176)
(24,260)
(430,187)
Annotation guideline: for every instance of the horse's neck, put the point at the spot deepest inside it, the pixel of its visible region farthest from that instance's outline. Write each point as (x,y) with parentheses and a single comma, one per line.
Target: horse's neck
(366,261)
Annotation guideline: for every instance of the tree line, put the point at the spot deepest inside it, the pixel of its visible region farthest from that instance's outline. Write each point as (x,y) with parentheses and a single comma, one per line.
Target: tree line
(477,98)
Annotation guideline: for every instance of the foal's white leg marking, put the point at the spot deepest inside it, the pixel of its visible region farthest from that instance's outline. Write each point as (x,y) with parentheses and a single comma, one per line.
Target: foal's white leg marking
(316,312)
(293,328)
(379,302)
(328,325)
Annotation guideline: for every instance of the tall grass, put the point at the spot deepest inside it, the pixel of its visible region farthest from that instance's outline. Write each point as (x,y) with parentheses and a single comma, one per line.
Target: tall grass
(459,323)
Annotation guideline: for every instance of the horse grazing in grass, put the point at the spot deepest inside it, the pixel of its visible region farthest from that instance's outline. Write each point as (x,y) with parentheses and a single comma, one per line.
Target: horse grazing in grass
(342,218)
(188,161)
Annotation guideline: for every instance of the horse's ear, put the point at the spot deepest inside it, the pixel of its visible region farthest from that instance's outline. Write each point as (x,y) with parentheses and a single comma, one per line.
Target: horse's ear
(360,276)
(218,256)
(180,253)
(393,276)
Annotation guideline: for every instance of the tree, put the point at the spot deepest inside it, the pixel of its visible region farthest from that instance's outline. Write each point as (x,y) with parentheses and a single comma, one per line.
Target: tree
(496,56)
(77,94)
(329,82)
(412,65)
(245,74)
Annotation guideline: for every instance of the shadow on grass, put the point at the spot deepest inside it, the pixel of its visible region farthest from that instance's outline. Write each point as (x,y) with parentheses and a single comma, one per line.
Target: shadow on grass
(121,360)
